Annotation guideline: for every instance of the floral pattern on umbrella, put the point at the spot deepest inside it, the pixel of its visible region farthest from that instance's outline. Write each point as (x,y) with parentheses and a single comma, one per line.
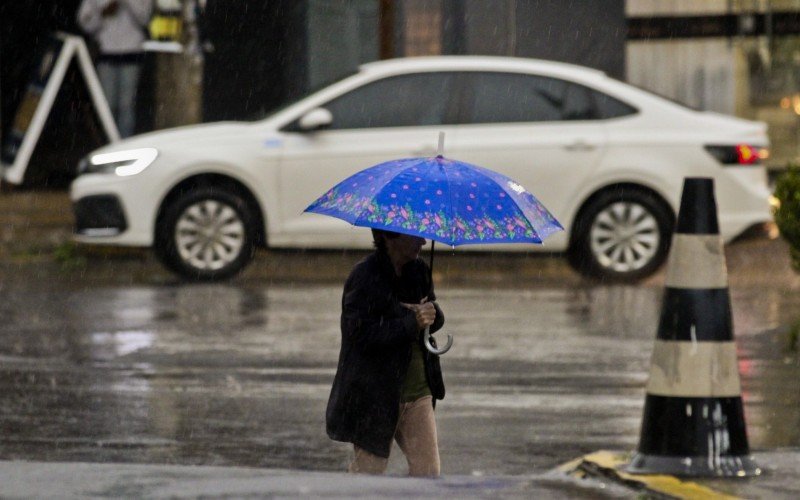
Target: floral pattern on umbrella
(441,199)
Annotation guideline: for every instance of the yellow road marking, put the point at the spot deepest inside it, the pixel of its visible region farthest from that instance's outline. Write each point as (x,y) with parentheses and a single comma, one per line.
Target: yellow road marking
(611,463)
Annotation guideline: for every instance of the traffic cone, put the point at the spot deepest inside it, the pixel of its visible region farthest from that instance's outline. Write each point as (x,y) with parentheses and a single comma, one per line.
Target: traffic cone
(693,422)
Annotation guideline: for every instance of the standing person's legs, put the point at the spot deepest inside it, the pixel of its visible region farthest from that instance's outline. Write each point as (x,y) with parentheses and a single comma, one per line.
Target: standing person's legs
(416,435)
(128,84)
(367,463)
(107,74)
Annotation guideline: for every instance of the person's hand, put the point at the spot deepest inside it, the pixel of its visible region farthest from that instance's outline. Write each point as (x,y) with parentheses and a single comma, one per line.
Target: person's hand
(424,312)
(111,8)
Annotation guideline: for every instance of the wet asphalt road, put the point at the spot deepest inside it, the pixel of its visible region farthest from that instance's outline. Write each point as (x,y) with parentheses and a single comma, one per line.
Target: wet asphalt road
(141,368)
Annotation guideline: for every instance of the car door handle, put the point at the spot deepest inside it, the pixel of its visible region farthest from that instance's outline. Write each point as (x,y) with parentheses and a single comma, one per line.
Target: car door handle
(580,146)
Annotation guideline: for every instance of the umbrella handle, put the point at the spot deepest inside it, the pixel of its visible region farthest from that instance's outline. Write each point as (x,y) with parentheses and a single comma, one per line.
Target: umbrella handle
(434,350)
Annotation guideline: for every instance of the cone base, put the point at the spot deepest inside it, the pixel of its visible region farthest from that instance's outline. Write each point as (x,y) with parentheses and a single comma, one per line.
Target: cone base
(699,466)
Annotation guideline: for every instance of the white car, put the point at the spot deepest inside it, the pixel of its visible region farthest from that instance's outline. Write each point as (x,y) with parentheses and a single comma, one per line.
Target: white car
(606,158)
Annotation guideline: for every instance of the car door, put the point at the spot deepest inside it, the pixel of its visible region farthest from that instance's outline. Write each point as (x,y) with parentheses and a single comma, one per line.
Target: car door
(538,130)
(393,117)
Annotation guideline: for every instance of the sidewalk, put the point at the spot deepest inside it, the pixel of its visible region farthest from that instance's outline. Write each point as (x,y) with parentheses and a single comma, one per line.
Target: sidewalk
(593,476)
(33,221)
(80,480)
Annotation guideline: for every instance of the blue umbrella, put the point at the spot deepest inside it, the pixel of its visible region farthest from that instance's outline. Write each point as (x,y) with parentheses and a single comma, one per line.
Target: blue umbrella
(440,199)
(452,202)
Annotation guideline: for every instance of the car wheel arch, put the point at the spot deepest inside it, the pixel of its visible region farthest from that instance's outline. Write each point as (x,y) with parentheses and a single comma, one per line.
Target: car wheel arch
(612,251)
(619,187)
(223,182)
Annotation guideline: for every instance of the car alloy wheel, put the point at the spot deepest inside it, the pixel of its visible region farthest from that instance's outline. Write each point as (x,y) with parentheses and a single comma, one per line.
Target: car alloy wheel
(209,235)
(622,234)
(624,237)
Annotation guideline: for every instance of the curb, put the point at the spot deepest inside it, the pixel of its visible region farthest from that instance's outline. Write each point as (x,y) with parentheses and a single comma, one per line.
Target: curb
(607,465)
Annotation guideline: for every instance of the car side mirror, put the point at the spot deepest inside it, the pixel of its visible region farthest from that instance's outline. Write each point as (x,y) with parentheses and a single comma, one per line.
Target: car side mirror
(315,119)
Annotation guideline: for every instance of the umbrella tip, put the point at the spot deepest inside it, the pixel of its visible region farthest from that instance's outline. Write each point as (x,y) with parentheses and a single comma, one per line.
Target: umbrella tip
(440,151)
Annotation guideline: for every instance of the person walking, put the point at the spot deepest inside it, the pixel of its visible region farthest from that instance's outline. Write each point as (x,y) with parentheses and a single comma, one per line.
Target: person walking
(386,383)
(118,28)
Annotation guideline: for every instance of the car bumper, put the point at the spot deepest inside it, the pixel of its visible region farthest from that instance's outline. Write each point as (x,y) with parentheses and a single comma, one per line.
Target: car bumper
(745,202)
(99,215)
(111,210)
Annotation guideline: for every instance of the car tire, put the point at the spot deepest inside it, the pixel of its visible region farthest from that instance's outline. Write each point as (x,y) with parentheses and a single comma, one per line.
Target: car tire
(621,235)
(206,234)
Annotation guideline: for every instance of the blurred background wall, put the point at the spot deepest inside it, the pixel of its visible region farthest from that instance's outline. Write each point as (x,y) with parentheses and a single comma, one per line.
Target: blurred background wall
(740,57)
(241,59)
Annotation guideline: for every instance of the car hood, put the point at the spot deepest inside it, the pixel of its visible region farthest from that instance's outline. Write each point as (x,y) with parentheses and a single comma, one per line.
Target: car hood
(181,136)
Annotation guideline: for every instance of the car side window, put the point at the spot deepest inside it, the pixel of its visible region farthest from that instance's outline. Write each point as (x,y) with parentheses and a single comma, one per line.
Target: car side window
(398,101)
(578,103)
(516,98)
(512,97)
(609,107)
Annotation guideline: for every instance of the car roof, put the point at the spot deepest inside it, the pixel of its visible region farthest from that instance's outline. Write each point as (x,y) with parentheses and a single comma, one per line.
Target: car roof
(478,63)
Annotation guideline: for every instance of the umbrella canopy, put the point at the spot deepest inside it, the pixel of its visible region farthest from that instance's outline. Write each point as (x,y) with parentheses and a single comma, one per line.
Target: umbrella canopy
(440,199)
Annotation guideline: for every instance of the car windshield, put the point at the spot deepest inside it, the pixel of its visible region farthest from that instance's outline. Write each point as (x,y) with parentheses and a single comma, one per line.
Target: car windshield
(266,113)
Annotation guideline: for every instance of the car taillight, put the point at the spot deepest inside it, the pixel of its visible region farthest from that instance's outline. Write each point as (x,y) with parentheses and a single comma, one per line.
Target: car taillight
(746,155)
(739,154)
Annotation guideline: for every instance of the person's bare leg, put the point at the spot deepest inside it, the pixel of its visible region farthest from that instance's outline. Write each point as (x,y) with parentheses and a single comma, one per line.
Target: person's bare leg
(367,463)
(416,435)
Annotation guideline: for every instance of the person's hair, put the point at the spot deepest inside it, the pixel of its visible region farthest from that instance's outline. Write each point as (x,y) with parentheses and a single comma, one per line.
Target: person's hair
(379,237)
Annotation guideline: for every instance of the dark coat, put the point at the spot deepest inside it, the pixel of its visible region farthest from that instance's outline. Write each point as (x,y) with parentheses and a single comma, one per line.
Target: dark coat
(377,335)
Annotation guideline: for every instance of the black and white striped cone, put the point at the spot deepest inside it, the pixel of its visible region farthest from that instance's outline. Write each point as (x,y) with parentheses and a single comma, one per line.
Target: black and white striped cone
(693,422)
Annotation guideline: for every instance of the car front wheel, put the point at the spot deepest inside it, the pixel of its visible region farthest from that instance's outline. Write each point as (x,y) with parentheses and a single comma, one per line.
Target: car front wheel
(622,235)
(206,234)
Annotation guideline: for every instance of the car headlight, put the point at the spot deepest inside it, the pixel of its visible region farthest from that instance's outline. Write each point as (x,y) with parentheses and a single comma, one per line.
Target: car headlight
(122,163)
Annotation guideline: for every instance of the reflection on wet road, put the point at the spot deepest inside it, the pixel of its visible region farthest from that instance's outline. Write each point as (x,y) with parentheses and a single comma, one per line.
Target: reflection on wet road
(239,374)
